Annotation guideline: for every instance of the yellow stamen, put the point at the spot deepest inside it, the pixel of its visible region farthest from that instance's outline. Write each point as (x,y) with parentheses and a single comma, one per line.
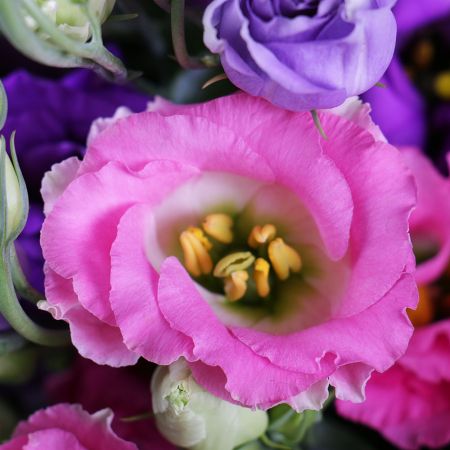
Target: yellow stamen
(219,227)
(235,285)
(261,277)
(424,312)
(283,258)
(198,233)
(195,246)
(238,261)
(261,235)
(442,85)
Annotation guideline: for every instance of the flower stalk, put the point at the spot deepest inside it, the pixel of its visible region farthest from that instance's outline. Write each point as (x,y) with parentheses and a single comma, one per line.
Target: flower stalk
(178,36)
(12,187)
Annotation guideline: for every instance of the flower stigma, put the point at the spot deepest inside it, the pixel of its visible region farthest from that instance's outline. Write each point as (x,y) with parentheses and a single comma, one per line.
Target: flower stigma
(178,398)
(214,253)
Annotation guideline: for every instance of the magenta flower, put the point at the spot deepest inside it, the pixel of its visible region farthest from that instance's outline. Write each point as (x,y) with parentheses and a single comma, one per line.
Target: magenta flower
(67,426)
(410,403)
(125,393)
(304,54)
(229,233)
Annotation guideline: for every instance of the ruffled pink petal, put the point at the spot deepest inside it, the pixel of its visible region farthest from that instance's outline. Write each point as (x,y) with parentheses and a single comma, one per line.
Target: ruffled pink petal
(350,381)
(140,138)
(428,353)
(85,239)
(312,398)
(431,218)
(134,284)
(366,338)
(308,173)
(93,432)
(358,112)
(186,311)
(15,444)
(56,181)
(407,410)
(53,439)
(384,195)
(94,339)
(102,123)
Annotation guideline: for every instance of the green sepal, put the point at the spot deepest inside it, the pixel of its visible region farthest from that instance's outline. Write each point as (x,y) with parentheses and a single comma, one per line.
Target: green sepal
(3,106)
(289,427)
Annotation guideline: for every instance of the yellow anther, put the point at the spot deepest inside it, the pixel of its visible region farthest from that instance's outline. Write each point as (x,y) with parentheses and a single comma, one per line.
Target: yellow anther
(233,263)
(442,85)
(195,248)
(261,277)
(198,233)
(235,286)
(283,258)
(424,312)
(261,235)
(219,226)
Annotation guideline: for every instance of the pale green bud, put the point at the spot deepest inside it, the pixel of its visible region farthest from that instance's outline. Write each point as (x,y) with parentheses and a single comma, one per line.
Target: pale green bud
(14,207)
(70,18)
(192,418)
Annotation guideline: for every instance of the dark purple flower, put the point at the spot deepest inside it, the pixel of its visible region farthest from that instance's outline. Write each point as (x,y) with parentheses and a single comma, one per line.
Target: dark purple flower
(305,54)
(52,120)
(403,109)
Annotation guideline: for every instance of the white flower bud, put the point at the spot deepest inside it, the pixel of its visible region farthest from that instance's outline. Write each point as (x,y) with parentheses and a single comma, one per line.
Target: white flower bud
(14,208)
(70,18)
(192,418)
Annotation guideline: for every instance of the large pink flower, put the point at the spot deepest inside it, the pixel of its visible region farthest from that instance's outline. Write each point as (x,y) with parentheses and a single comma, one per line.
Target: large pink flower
(67,426)
(231,234)
(410,403)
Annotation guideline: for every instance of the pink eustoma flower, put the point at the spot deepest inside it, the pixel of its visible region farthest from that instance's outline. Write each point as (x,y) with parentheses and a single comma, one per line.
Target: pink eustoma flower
(66,426)
(410,403)
(231,234)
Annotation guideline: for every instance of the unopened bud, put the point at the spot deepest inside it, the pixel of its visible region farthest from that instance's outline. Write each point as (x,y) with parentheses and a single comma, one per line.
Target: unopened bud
(14,207)
(70,17)
(190,417)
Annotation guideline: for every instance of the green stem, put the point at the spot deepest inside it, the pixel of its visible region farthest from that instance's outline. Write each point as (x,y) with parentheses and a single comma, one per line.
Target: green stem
(283,420)
(318,124)
(179,38)
(271,444)
(12,311)
(20,281)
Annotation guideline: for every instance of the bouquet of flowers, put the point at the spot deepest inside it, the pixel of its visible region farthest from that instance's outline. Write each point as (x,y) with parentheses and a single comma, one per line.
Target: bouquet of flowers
(224,224)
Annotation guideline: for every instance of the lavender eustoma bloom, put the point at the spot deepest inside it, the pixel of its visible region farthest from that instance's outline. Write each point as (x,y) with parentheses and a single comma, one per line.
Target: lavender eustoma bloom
(52,119)
(400,109)
(305,54)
